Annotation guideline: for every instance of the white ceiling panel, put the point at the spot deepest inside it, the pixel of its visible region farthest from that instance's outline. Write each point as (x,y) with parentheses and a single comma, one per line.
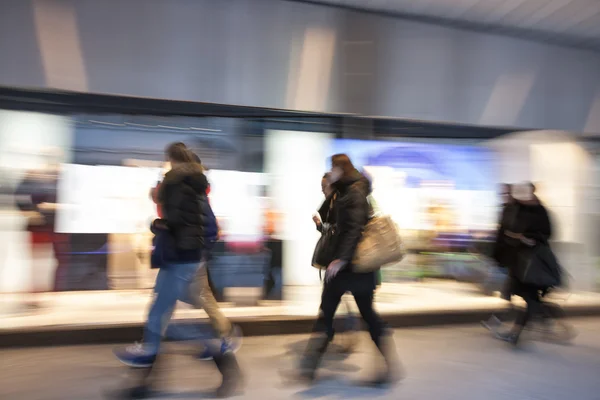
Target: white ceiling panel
(570,22)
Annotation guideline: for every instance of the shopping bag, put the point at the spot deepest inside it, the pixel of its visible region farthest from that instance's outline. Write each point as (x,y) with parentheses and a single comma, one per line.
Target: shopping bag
(379,246)
(538,266)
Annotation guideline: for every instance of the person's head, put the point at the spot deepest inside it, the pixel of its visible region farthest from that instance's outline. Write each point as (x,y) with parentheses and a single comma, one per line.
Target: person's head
(505,192)
(325,184)
(178,153)
(524,191)
(341,166)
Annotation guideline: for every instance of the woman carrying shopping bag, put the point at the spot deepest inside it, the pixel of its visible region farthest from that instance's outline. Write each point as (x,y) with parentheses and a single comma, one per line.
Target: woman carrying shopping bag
(350,214)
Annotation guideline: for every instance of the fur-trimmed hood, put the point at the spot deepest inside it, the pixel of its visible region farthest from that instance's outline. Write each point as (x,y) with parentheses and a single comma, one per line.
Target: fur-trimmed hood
(191,174)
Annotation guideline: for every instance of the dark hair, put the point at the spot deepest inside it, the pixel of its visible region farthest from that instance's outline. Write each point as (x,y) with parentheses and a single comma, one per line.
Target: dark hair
(532,187)
(178,152)
(342,161)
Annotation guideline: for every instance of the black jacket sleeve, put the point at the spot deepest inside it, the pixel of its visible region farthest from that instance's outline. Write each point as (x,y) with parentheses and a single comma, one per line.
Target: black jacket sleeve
(351,220)
(541,228)
(499,243)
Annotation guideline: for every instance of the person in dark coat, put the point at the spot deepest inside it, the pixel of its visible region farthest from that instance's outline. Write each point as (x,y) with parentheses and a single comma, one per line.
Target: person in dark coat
(350,211)
(531,227)
(182,198)
(507,218)
(351,323)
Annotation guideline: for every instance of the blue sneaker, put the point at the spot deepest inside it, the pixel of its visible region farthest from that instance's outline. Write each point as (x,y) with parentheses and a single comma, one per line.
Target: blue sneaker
(234,340)
(212,347)
(229,344)
(135,356)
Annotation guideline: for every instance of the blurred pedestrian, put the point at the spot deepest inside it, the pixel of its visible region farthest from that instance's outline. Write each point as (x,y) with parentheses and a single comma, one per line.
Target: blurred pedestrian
(37,198)
(531,230)
(182,198)
(202,295)
(350,212)
(351,324)
(501,252)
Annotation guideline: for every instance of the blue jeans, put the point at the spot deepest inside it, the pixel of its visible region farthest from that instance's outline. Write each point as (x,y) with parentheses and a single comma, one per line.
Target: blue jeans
(172,284)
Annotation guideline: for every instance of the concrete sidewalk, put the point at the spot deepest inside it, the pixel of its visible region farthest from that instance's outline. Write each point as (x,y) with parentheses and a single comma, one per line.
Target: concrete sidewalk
(118,316)
(445,363)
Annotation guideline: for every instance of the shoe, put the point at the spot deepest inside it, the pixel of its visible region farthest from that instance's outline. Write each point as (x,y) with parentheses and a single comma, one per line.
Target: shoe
(231,343)
(233,381)
(234,340)
(136,356)
(214,347)
(394,371)
(492,324)
(508,337)
(311,359)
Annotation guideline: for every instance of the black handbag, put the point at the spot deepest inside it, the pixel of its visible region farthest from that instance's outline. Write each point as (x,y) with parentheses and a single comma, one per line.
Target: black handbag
(538,266)
(324,252)
(325,248)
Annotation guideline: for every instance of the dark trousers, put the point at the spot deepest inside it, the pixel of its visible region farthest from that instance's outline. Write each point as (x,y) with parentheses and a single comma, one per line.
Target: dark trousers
(362,287)
(330,300)
(531,295)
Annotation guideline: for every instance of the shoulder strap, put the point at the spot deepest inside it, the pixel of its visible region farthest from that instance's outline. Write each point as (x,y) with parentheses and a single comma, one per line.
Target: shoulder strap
(330,206)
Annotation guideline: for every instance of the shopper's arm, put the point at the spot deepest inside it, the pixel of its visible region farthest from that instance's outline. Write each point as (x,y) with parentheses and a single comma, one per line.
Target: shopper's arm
(351,221)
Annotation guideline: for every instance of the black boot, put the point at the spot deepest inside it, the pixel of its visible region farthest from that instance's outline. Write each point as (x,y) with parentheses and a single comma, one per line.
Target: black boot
(315,349)
(233,381)
(139,385)
(393,373)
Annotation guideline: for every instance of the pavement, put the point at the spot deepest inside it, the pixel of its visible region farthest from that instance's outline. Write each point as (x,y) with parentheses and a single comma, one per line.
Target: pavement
(69,318)
(442,363)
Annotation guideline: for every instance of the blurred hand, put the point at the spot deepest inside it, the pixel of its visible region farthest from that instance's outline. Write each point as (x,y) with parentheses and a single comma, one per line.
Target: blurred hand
(333,269)
(316,220)
(47,206)
(35,218)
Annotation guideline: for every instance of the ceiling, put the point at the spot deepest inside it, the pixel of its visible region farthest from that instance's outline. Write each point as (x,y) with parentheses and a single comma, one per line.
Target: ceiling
(567,22)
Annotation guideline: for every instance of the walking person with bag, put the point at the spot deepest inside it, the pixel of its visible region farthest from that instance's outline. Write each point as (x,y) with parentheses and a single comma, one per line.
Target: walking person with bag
(499,255)
(533,269)
(349,215)
(323,224)
(201,289)
(179,250)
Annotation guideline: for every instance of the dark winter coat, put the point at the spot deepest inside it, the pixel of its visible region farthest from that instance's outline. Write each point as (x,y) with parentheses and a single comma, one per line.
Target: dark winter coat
(533,222)
(182,196)
(350,213)
(503,244)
